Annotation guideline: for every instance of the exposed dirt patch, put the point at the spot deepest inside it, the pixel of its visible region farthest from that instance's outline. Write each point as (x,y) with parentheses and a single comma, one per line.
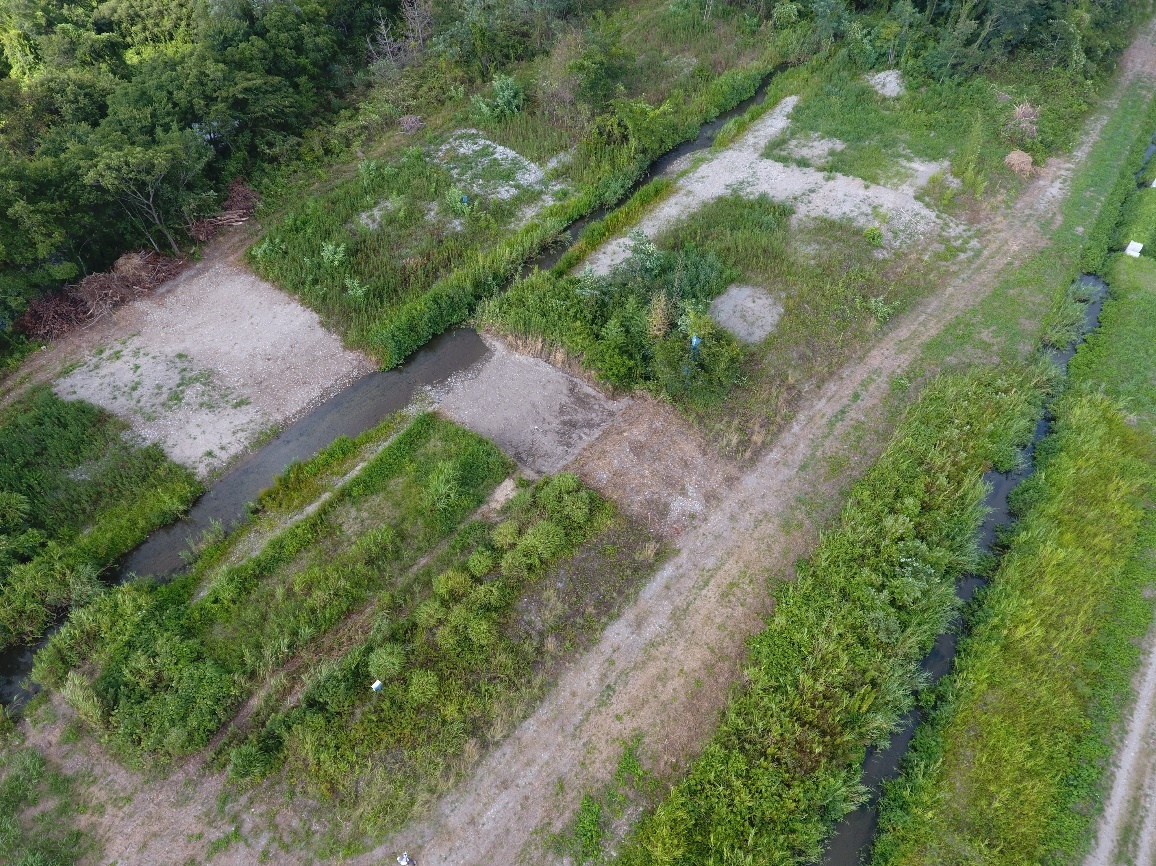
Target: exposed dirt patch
(742,168)
(656,467)
(1127,827)
(748,312)
(539,415)
(208,362)
(888,83)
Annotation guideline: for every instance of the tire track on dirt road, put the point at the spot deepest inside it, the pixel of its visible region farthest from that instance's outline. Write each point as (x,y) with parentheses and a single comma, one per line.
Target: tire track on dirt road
(664,666)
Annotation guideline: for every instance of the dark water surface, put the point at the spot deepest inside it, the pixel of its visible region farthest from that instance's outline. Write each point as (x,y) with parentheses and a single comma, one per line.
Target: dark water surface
(851,843)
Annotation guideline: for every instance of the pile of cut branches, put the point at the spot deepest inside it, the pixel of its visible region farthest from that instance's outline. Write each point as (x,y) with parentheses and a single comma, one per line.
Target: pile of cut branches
(133,275)
(237,208)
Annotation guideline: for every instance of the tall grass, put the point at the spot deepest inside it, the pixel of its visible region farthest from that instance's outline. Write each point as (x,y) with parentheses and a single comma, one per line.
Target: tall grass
(837,664)
(79,494)
(1008,768)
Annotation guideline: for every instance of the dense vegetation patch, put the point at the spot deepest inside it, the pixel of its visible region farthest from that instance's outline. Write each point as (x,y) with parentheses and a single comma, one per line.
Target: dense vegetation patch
(462,649)
(76,494)
(1012,761)
(837,665)
(637,326)
(159,668)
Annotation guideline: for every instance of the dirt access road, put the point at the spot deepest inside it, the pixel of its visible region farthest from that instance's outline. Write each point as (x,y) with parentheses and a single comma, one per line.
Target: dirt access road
(663,668)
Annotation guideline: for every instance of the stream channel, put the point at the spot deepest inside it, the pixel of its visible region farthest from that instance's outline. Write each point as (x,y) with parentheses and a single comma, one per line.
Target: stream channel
(361,406)
(851,843)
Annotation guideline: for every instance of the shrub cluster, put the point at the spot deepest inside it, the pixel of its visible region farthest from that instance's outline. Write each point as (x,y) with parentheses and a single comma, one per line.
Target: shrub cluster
(449,650)
(159,668)
(838,662)
(645,323)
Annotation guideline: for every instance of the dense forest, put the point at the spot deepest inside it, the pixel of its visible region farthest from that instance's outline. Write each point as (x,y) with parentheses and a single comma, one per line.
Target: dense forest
(122,121)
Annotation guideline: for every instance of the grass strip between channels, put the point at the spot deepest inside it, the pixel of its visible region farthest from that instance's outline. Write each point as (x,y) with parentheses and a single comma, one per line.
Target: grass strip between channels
(838,663)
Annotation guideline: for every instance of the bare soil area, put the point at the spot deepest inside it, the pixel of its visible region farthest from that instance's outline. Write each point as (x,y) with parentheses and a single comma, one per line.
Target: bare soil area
(656,467)
(206,364)
(742,168)
(536,413)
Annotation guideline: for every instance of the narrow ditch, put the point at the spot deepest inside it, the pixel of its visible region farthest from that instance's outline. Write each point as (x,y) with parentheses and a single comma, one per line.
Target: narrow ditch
(361,406)
(851,843)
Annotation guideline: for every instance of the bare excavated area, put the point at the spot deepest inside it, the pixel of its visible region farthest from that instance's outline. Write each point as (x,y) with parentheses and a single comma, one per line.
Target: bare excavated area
(204,366)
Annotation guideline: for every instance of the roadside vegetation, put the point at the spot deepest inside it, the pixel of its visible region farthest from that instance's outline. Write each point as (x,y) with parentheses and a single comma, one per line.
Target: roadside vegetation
(838,662)
(76,494)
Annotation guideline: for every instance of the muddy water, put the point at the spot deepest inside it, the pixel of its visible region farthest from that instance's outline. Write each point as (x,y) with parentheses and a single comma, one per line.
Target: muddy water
(851,843)
(361,406)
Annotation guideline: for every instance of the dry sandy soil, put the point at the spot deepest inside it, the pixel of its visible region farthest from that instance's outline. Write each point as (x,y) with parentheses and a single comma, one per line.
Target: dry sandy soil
(663,668)
(206,364)
(536,413)
(742,168)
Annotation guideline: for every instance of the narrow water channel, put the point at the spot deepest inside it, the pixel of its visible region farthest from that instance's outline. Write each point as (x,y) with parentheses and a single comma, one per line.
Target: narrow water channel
(851,843)
(364,404)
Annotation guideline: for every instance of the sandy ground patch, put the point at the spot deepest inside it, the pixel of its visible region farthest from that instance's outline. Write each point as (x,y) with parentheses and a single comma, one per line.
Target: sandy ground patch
(888,83)
(748,312)
(210,361)
(742,168)
(539,415)
(656,467)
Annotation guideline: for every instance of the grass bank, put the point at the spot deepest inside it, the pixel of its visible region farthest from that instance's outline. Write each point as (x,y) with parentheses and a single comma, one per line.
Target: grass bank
(465,231)
(837,664)
(76,494)
(1010,765)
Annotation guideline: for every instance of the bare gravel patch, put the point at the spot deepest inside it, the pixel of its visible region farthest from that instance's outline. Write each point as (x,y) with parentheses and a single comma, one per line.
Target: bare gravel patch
(749,312)
(213,359)
(536,413)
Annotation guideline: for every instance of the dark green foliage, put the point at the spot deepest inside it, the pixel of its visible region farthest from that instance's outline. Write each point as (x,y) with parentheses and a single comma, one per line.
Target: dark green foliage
(645,322)
(122,121)
(75,495)
(448,649)
(837,664)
